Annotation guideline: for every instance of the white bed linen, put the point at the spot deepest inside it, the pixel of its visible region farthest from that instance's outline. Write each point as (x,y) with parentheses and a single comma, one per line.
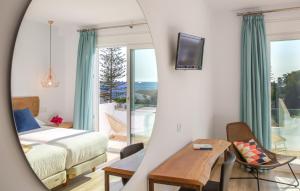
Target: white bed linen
(46,160)
(80,145)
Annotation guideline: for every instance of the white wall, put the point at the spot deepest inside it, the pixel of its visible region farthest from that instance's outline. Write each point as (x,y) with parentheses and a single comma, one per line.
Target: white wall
(284,25)
(184,97)
(226,70)
(31,64)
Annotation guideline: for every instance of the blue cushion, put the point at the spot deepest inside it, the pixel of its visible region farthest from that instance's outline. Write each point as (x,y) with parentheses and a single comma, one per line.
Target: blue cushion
(24,120)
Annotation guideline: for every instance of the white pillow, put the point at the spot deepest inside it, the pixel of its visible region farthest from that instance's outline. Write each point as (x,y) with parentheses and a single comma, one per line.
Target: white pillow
(40,122)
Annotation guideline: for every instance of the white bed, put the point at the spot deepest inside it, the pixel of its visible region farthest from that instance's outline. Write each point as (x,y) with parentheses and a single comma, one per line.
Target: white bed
(83,150)
(55,158)
(80,145)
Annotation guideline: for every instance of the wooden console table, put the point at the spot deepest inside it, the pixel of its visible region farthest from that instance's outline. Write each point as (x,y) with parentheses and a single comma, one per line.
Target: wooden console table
(188,167)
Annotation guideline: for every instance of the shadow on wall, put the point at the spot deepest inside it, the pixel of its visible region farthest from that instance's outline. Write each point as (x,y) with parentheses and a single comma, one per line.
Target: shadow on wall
(218,129)
(173,31)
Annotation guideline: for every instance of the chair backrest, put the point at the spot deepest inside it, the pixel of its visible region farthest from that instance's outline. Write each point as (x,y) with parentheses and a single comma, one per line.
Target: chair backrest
(131,149)
(239,131)
(226,170)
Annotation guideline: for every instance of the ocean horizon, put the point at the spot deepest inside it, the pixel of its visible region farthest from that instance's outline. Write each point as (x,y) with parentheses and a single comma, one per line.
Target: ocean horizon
(121,89)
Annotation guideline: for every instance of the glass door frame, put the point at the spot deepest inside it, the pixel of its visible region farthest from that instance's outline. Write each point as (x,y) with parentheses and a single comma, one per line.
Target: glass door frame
(283,37)
(130,48)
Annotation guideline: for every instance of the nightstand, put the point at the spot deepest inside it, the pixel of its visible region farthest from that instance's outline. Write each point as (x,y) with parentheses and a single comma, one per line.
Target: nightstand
(67,125)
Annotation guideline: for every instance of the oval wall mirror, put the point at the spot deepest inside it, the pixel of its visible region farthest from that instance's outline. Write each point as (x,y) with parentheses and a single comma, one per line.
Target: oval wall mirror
(84,91)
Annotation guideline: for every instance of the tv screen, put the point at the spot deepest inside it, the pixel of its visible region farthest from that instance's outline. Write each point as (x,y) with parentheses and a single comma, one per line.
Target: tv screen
(189,52)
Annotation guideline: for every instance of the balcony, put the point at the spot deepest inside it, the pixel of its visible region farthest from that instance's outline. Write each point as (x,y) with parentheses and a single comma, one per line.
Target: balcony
(286,130)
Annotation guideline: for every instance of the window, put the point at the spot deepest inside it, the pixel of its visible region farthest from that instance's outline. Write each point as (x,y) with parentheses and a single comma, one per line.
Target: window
(127,80)
(285,96)
(143,93)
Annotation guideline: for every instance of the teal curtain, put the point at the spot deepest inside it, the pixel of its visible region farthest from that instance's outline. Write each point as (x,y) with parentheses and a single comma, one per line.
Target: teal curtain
(255,79)
(83,106)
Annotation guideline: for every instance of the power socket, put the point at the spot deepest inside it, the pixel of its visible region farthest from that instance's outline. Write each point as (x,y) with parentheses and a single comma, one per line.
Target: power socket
(178,128)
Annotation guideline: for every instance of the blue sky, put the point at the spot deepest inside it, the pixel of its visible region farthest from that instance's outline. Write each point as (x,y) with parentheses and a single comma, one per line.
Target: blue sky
(285,57)
(145,65)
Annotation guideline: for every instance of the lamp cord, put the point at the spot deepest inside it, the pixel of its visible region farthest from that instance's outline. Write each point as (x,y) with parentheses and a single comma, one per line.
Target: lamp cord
(50,50)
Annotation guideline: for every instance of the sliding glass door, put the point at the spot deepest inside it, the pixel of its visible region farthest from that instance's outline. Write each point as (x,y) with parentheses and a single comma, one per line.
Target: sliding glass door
(126,92)
(143,94)
(285,96)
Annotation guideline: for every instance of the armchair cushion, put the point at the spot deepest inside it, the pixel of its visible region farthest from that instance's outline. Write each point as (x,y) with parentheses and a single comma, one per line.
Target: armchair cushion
(251,152)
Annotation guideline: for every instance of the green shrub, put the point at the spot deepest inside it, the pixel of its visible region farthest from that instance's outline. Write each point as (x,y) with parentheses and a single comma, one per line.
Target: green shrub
(120,100)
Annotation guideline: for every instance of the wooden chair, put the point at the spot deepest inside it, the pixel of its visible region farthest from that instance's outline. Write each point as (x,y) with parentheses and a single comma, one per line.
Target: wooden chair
(130,150)
(226,170)
(241,132)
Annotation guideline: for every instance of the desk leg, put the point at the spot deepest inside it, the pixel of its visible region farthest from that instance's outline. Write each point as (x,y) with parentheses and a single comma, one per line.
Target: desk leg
(106,181)
(151,185)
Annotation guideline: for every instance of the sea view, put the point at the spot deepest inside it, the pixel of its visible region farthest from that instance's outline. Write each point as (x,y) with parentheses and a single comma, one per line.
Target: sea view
(121,90)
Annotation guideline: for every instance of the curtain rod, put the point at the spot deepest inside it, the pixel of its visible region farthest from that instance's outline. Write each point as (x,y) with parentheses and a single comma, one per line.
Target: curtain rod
(115,26)
(267,11)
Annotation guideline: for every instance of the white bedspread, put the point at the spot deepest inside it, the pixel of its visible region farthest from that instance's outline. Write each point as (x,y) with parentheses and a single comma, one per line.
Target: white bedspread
(46,160)
(80,145)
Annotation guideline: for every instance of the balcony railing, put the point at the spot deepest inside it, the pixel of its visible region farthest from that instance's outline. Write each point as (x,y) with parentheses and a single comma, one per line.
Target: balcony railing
(286,131)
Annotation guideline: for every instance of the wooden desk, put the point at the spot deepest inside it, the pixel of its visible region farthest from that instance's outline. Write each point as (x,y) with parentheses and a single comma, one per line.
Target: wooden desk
(124,168)
(188,167)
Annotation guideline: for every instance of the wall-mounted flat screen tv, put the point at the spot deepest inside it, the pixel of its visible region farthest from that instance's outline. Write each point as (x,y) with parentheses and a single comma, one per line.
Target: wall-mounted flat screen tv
(189,52)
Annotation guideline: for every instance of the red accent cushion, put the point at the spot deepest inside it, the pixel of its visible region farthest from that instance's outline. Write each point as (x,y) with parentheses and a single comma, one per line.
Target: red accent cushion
(251,152)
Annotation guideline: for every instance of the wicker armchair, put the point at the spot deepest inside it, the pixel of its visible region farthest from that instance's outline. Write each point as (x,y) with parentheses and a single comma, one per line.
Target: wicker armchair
(241,132)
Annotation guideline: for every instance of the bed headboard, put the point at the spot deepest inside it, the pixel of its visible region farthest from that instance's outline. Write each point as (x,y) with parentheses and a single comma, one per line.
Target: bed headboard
(32,103)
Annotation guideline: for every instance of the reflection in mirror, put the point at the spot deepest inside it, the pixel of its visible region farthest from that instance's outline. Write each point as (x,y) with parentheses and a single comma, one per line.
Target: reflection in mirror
(84,87)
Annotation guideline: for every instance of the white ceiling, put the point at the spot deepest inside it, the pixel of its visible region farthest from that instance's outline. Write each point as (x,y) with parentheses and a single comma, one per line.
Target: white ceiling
(102,12)
(233,5)
(84,12)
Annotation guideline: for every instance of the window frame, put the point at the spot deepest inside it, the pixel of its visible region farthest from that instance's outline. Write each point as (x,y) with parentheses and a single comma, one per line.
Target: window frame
(129,48)
(283,37)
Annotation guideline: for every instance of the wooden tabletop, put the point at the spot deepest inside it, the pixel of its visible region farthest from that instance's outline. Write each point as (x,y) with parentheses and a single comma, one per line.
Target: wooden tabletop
(126,167)
(67,125)
(188,166)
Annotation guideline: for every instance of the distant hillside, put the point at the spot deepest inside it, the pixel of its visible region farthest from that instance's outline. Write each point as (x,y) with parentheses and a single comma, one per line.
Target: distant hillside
(144,91)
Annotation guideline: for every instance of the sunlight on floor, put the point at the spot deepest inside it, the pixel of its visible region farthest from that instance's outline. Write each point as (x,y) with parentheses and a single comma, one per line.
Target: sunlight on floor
(287,180)
(94,181)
